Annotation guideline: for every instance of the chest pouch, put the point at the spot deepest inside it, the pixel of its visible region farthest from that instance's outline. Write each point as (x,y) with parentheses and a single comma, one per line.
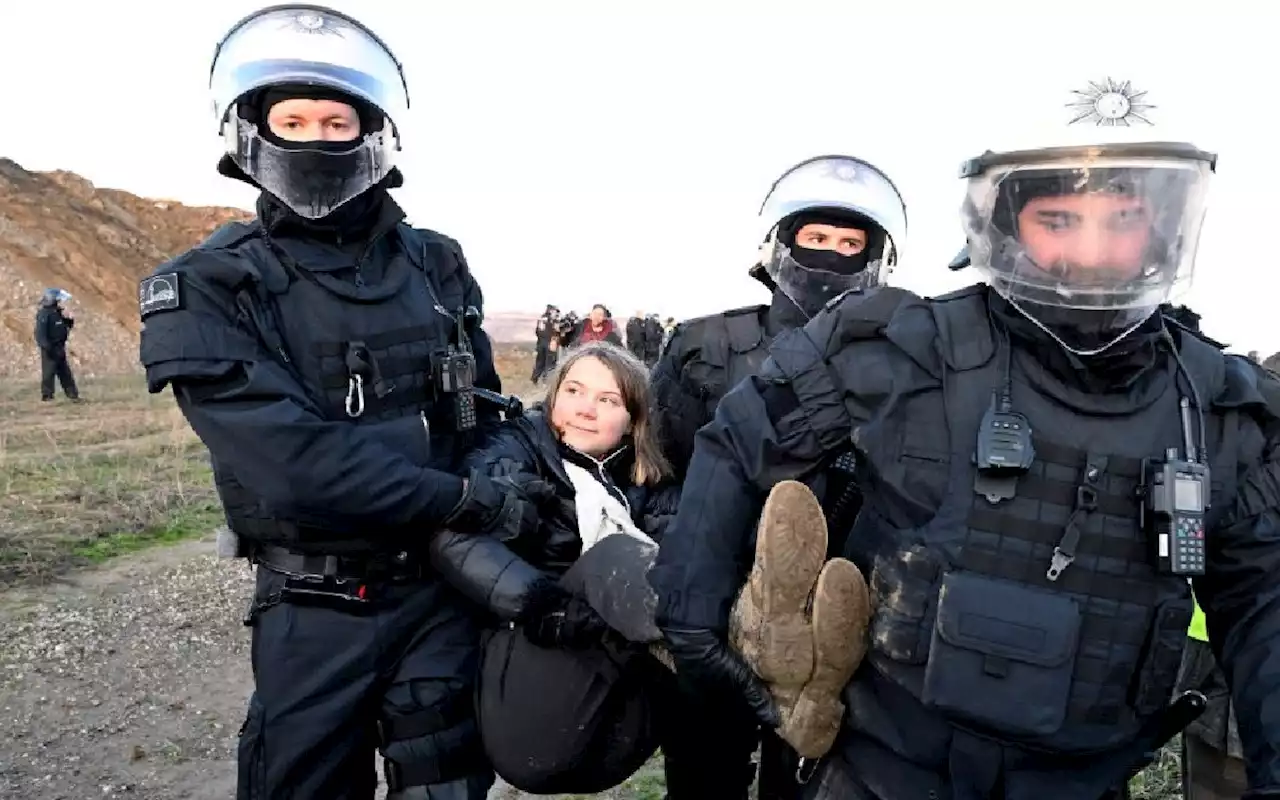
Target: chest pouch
(1002,655)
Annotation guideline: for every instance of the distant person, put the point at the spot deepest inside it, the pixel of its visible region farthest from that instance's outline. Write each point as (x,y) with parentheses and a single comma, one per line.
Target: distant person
(598,327)
(545,336)
(636,335)
(653,333)
(53,326)
(568,329)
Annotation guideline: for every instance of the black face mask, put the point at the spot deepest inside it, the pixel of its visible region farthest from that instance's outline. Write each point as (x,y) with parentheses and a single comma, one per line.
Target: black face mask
(830,260)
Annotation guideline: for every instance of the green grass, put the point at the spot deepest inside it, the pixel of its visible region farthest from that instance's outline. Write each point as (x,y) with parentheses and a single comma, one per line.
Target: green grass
(189,523)
(82,483)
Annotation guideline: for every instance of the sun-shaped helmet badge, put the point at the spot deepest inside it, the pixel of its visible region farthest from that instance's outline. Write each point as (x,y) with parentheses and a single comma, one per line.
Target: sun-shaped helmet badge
(315,23)
(1110,103)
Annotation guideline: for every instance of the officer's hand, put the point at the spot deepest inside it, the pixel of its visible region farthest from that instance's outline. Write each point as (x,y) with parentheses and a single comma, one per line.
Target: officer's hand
(703,658)
(507,507)
(554,617)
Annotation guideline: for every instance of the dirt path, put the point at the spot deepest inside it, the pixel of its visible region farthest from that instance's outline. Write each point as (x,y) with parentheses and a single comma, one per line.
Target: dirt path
(129,680)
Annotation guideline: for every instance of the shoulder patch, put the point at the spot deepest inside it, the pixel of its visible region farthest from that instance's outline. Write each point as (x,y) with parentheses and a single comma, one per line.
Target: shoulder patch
(159,293)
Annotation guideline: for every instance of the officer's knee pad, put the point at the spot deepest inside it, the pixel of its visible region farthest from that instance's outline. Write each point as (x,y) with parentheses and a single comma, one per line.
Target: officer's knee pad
(429,749)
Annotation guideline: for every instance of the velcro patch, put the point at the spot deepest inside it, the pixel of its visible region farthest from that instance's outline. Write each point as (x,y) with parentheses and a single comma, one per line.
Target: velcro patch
(159,293)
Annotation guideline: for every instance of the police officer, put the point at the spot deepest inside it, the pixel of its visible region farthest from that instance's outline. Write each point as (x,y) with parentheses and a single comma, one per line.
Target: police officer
(322,353)
(53,327)
(1037,454)
(828,225)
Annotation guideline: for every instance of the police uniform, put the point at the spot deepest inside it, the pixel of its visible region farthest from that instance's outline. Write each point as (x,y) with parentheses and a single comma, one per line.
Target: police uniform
(318,352)
(706,356)
(51,332)
(1026,639)
(1102,644)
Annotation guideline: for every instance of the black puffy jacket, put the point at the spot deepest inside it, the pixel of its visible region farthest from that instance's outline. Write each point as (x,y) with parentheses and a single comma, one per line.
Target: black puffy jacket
(503,577)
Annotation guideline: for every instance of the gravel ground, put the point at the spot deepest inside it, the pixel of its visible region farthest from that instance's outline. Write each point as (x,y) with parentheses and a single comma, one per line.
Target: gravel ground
(129,680)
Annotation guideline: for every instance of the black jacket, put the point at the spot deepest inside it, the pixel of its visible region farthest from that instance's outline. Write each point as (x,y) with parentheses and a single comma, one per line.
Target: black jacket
(501,576)
(52,329)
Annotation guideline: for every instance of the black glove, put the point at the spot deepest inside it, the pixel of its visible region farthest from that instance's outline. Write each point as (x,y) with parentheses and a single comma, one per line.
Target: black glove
(703,658)
(554,617)
(508,507)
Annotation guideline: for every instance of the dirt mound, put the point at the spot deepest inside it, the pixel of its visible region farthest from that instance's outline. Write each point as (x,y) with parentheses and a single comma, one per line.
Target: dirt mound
(58,229)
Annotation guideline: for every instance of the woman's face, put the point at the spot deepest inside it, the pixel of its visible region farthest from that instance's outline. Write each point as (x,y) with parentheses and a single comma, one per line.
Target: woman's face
(589,412)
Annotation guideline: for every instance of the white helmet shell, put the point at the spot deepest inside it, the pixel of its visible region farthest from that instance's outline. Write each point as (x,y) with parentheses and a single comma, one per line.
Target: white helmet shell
(837,181)
(311,45)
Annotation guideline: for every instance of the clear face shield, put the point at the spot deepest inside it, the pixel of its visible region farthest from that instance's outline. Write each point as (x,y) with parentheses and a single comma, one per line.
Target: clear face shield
(846,193)
(1087,242)
(317,47)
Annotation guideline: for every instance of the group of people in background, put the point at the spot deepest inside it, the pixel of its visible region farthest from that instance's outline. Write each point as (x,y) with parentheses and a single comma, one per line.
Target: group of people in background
(556,331)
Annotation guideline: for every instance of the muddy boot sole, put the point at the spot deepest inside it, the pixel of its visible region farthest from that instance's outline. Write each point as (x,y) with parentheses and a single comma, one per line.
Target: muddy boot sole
(841,612)
(770,625)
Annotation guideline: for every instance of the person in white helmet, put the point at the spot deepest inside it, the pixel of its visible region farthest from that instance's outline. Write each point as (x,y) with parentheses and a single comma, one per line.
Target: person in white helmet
(1047,468)
(329,355)
(828,225)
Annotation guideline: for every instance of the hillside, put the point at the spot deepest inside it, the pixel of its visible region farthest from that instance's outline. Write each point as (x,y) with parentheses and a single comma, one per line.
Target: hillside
(58,229)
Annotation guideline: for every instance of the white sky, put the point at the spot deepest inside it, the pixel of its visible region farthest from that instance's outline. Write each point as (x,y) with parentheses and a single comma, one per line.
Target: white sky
(618,152)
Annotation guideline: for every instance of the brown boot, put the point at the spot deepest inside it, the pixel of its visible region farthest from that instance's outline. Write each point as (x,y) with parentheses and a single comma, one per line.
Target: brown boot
(841,612)
(769,625)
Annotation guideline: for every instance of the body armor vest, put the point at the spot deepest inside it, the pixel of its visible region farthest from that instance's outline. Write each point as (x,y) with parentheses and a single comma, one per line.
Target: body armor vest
(966,618)
(363,355)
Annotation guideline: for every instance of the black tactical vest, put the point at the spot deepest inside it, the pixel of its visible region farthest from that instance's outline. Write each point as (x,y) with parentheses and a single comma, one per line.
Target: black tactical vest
(363,360)
(966,619)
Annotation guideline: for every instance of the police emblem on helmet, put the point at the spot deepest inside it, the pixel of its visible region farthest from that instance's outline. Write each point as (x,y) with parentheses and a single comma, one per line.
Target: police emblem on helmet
(316,23)
(845,172)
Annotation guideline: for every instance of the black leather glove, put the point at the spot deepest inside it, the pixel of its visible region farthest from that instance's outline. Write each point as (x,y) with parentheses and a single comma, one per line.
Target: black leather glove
(554,617)
(508,507)
(703,658)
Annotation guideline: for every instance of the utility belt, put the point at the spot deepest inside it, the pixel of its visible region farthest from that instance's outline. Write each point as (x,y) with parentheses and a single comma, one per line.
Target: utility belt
(346,583)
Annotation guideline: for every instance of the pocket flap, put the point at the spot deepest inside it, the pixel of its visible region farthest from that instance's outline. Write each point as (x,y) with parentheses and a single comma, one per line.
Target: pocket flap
(1006,620)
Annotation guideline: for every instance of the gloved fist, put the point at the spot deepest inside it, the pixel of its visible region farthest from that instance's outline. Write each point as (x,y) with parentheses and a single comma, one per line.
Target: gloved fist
(556,618)
(507,507)
(703,658)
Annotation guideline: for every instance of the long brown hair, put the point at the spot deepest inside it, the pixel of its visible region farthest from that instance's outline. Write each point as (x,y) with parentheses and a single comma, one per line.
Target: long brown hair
(633,380)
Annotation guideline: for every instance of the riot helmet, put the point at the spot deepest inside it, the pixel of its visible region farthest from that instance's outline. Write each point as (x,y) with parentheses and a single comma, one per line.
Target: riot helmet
(829,225)
(309,52)
(53,296)
(1088,234)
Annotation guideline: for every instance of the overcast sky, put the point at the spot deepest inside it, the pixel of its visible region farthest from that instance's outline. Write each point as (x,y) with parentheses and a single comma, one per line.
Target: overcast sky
(592,151)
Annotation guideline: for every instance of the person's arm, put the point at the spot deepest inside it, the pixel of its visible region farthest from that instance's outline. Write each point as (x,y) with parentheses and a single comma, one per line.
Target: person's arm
(42,332)
(1240,595)
(778,425)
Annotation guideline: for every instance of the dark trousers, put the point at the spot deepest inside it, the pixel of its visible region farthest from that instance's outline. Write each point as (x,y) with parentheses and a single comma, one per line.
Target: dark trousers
(53,364)
(543,362)
(1209,773)
(332,687)
(707,747)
